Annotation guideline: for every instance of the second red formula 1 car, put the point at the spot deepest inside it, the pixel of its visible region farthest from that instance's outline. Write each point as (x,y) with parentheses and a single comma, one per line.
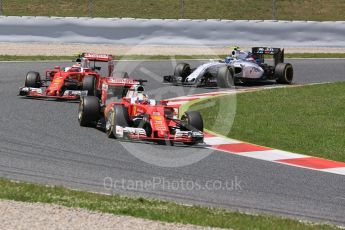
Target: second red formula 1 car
(68,83)
(128,113)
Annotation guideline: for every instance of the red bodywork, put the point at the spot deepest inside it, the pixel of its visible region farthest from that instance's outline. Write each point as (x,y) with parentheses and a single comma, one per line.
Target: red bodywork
(58,80)
(163,119)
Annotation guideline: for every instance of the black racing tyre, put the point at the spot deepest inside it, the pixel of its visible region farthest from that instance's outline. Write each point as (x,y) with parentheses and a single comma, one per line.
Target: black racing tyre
(118,115)
(225,77)
(284,73)
(121,75)
(33,80)
(182,70)
(194,121)
(89,111)
(89,84)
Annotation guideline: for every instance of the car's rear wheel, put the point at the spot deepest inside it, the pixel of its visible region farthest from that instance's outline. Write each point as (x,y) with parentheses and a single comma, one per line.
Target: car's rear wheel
(284,73)
(182,70)
(121,75)
(225,77)
(33,80)
(118,115)
(194,122)
(89,85)
(89,111)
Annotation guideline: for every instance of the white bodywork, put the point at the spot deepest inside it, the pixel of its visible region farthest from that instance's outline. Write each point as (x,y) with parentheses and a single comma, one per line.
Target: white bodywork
(249,69)
(121,132)
(30,89)
(200,71)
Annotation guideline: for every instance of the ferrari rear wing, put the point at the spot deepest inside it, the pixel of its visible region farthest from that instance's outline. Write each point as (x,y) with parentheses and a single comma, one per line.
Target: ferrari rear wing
(260,52)
(98,57)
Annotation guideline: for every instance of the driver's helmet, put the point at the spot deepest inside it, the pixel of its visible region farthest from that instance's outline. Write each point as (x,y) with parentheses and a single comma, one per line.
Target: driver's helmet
(138,95)
(76,65)
(138,88)
(75,68)
(142,98)
(240,54)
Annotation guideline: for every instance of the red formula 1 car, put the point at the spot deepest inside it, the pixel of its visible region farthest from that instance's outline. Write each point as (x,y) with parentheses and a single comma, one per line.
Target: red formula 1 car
(128,113)
(68,83)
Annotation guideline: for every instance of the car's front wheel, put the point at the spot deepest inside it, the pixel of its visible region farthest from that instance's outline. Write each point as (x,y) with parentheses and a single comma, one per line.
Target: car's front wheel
(182,70)
(194,122)
(33,80)
(117,116)
(225,77)
(89,111)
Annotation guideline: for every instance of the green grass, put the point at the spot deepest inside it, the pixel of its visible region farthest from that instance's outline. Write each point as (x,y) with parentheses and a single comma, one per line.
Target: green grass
(308,119)
(161,57)
(316,10)
(148,209)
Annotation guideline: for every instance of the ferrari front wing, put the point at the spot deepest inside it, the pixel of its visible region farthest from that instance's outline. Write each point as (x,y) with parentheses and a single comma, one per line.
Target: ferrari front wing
(39,93)
(140,134)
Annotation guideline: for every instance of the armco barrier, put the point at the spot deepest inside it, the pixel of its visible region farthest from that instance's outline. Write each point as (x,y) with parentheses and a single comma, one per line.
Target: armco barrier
(172,32)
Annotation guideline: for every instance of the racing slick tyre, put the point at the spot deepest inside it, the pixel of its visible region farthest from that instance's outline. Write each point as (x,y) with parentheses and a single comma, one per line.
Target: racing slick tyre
(225,77)
(283,73)
(118,115)
(89,111)
(89,84)
(33,80)
(193,121)
(182,70)
(121,75)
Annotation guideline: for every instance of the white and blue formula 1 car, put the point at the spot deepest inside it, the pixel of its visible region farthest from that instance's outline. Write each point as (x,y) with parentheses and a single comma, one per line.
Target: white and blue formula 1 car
(240,66)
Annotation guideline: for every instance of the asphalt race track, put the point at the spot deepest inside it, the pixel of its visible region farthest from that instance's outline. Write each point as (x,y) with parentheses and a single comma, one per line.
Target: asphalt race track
(41,141)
